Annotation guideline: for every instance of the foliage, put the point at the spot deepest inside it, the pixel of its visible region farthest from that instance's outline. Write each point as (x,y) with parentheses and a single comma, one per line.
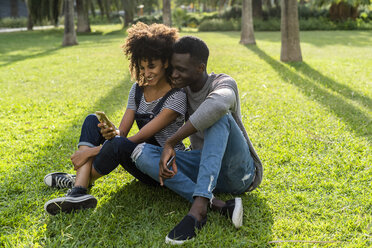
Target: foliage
(148,19)
(354,3)
(273,24)
(179,17)
(310,123)
(219,25)
(19,22)
(233,12)
(10,22)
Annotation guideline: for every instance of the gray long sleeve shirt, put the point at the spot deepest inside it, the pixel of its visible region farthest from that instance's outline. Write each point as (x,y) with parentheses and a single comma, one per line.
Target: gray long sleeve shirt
(218,97)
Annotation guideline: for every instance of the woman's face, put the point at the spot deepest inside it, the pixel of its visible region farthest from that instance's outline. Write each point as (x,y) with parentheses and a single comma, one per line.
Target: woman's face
(153,71)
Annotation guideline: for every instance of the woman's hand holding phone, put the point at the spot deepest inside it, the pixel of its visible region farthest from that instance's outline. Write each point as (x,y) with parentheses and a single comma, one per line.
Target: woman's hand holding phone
(108,129)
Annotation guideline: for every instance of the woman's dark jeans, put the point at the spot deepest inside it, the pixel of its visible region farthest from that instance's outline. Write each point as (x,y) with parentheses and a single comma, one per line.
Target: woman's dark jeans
(113,152)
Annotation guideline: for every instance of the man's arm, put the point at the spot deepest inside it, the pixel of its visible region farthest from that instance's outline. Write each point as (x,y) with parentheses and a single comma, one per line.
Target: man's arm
(218,103)
(164,172)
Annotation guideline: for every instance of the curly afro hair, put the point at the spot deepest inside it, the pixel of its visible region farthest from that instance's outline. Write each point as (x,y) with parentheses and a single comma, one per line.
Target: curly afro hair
(149,42)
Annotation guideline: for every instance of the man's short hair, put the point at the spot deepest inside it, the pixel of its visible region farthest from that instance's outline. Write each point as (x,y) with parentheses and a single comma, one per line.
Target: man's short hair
(194,46)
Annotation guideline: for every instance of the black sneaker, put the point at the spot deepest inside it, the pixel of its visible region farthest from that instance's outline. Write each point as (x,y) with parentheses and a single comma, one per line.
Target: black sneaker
(185,230)
(75,199)
(60,180)
(233,210)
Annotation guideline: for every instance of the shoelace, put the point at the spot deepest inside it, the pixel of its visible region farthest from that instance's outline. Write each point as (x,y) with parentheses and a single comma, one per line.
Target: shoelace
(64,182)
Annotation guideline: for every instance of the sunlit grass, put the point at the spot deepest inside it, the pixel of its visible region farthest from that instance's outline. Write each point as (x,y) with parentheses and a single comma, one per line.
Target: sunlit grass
(310,123)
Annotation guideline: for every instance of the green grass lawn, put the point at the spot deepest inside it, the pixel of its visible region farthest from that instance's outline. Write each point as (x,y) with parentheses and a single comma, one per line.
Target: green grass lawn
(310,123)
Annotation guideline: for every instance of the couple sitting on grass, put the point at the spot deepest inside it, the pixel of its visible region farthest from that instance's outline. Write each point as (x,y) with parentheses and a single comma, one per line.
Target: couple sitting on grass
(171,81)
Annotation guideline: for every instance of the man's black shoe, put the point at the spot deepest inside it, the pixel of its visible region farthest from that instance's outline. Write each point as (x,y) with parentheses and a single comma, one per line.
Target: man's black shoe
(185,230)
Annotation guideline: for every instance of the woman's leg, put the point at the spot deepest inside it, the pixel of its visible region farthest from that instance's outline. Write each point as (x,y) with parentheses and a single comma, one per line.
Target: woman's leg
(90,137)
(114,152)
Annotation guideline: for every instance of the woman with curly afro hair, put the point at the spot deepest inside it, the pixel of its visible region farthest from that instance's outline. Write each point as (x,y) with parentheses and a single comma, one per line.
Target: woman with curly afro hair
(158,109)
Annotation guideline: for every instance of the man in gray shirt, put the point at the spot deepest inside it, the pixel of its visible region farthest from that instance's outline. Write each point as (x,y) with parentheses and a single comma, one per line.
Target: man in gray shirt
(222,159)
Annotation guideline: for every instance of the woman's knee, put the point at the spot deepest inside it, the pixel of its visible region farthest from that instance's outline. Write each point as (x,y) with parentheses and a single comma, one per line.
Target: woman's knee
(91,120)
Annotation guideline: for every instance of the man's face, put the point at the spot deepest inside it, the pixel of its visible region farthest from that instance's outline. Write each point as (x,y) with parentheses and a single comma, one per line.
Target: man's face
(185,71)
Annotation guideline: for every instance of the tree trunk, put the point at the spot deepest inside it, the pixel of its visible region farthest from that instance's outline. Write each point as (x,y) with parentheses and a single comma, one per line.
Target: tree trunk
(128,6)
(82,16)
(69,37)
(291,50)
(101,8)
(247,35)
(342,11)
(257,8)
(55,10)
(277,8)
(13,8)
(116,3)
(92,8)
(107,9)
(30,23)
(167,16)
(267,3)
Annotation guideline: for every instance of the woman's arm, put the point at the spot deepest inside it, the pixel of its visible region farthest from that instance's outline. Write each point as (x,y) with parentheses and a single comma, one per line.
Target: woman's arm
(126,122)
(163,119)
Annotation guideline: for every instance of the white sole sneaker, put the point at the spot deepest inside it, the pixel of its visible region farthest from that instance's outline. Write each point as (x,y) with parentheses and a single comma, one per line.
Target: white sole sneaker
(69,203)
(237,216)
(60,180)
(176,242)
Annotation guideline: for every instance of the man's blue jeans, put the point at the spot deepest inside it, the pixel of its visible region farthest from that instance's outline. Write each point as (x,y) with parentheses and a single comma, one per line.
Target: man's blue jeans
(224,165)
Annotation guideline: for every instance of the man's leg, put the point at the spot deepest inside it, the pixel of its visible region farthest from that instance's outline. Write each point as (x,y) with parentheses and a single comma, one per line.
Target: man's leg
(147,159)
(220,151)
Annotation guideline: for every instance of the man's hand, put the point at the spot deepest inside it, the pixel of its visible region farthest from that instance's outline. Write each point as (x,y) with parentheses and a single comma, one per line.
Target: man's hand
(80,157)
(164,171)
(107,132)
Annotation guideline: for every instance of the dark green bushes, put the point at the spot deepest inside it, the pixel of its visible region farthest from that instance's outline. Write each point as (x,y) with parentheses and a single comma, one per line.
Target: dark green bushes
(274,25)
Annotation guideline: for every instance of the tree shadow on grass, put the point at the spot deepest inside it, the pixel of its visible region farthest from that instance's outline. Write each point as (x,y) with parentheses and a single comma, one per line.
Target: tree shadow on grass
(49,41)
(329,83)
(22,187)
(359,122)
(11,59)
(141,215)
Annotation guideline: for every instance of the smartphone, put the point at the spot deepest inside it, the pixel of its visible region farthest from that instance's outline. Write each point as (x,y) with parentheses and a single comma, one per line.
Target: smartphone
(170,161)
(104,119)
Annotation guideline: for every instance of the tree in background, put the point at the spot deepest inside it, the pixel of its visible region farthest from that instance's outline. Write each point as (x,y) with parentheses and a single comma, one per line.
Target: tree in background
(342,10)
(30,21)
(107,5)
(257,8)
(129,9)
(13,8)
(167,15)
(247,33)
(101,8)
(82,16)
(40,10)
(291,50)
(69,37)
(149,5)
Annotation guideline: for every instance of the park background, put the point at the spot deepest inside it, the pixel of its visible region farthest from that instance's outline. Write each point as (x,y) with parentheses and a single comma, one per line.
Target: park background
(310,122)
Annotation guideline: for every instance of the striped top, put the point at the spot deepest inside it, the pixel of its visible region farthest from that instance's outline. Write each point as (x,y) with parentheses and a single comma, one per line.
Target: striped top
(176,102)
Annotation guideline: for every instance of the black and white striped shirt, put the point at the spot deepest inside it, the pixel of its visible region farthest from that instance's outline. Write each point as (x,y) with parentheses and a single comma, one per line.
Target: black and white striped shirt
(177,101)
